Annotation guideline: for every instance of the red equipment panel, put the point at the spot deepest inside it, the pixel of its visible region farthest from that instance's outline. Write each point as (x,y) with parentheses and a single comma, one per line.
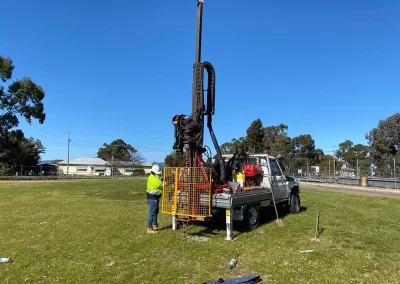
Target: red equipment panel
(252,170)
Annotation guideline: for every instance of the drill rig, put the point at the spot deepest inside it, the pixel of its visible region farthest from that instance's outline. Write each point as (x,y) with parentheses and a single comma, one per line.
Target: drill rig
(189,131)
(188,190)
(237,184)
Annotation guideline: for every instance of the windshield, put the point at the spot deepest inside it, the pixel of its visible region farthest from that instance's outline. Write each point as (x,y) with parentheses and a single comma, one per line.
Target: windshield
(238,163)
(275,170)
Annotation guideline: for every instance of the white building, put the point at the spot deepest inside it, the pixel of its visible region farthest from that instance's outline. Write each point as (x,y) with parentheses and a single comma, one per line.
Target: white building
(85,166)
(99,167)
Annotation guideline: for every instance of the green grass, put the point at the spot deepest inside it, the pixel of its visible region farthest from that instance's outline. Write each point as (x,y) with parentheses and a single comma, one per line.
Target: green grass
(95,232)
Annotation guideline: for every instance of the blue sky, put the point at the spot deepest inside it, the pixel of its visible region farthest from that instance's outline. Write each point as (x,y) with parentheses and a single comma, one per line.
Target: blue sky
(122,69)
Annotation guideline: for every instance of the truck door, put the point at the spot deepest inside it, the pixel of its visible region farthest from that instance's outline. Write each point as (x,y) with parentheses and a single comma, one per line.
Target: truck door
(278,181)
(265,167)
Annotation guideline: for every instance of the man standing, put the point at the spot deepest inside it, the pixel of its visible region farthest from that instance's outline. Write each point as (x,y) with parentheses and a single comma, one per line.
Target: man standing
(154,192)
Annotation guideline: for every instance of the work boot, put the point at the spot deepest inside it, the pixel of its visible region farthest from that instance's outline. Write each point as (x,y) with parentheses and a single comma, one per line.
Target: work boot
(156,228)
(151,231)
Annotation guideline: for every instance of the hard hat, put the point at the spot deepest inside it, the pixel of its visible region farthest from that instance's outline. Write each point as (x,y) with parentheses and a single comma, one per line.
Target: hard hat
(156,169)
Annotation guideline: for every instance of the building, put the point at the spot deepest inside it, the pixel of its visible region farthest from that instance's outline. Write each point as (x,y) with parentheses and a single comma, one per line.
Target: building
(347,172)
(127,168)
(85,166)
(98,167)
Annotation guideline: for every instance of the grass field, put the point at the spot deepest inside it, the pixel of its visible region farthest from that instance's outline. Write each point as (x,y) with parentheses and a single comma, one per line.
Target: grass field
(95,232)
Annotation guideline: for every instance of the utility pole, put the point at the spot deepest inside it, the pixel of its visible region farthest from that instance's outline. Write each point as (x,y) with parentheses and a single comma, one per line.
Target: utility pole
(307,168)
(69,142)
(358,174)
(394,172)
(334,157)
(112,163)
(329,161)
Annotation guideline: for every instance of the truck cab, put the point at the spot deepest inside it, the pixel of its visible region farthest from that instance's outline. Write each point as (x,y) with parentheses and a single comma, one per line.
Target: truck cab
(266,171)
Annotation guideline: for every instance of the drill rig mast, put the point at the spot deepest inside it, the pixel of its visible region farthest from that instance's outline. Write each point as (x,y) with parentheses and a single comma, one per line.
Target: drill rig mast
(235,189)
(189,131)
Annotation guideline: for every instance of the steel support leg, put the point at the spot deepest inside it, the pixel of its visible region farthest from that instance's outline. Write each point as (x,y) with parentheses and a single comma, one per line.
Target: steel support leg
(174,223)
(229,225)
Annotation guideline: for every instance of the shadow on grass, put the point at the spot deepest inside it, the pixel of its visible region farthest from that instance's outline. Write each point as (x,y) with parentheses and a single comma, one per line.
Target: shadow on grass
(203,229)
(217,226)
(268,215)
(164,228)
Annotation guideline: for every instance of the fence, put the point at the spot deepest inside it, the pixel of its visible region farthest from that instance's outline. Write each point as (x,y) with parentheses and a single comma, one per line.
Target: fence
(393,183)
(388,169)
(51,172)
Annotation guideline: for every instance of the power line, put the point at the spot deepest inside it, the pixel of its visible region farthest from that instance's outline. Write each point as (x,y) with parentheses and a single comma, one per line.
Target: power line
(148,140)
(163,150)
(93,146)
(154,138)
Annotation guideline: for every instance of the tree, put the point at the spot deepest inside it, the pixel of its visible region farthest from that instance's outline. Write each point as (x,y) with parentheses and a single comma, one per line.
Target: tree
(255,135)
(230,147)
(319,156)
(304,151)
(174,160)
(118,150)
(19,150)
(304,146)
(384,140)
(354,155)
(344,149)
(277,141)
(22,98)
(137,158)
(326,165)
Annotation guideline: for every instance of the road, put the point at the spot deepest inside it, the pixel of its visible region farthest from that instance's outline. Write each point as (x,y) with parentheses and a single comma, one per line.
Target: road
(349,189)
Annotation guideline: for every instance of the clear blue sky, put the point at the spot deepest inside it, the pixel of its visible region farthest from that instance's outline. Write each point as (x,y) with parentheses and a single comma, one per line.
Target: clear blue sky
(122,69)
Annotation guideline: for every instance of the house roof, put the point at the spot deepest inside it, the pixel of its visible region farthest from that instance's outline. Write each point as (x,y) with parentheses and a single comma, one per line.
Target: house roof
(85,161)
(129,163)
(101,162)
(47,162)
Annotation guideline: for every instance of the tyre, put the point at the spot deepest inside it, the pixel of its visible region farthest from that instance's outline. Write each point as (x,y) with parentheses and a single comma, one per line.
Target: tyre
(294,203)
(252,217)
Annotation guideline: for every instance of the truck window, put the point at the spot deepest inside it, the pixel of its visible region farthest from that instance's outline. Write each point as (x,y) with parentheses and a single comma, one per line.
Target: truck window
(263,161)
(238,163)
(275,170)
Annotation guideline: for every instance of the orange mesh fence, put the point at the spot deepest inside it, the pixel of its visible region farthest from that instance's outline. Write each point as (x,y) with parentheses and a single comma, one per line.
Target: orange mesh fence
(187,191)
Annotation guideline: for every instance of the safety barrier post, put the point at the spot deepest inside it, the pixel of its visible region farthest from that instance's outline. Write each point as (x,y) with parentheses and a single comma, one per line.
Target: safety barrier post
(229,224)
(174,221)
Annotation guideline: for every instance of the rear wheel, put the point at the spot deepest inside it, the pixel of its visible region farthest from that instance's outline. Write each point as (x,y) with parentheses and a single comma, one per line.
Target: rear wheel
(294,203)
(252,217)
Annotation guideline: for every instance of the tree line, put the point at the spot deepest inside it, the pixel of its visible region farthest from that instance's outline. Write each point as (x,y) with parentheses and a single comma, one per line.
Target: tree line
(301,151)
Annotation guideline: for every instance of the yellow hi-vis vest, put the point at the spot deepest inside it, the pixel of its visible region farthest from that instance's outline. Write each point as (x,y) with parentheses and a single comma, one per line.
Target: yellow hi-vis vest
(154,185)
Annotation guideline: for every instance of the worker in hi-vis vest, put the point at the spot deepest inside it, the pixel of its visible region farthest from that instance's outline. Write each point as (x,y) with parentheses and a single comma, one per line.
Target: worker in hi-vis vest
(154,192)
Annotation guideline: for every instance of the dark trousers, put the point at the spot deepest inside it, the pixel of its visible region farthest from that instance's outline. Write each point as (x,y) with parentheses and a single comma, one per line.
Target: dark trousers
(153,212)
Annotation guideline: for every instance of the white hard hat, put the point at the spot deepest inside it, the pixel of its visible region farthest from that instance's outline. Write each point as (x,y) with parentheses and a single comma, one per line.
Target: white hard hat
(156,169)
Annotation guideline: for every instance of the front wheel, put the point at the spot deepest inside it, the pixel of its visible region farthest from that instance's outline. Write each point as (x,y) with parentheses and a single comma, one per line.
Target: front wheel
(294,206)
(252,217)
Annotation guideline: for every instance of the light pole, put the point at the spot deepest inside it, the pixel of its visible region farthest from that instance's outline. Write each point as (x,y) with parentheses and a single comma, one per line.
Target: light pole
(334,152)
(394,172)
(69,142)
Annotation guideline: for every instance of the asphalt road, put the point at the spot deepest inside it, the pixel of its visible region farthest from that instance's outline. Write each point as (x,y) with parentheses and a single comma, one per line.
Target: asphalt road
(358,190)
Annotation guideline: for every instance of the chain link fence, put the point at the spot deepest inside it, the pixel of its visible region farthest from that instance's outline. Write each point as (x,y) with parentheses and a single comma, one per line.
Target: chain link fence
(52,172)
(389,169)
